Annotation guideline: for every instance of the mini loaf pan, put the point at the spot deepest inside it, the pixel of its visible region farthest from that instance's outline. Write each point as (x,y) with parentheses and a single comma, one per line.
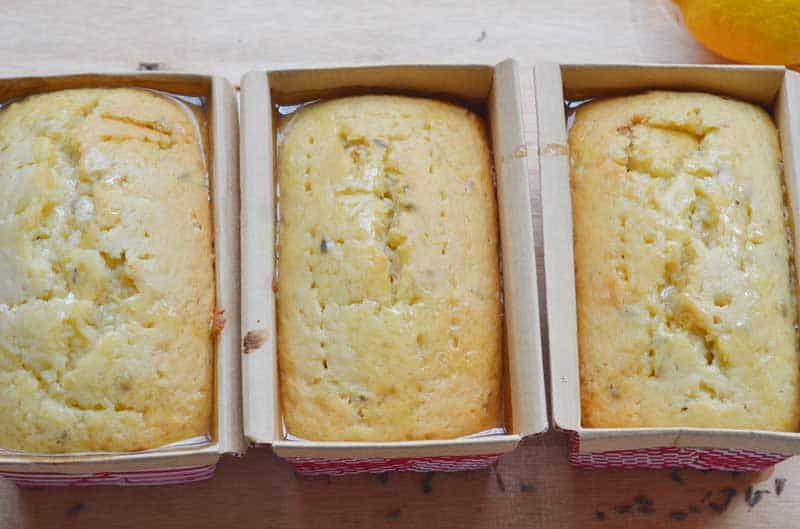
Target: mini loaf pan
(776,89)
(178,464)
(496,87)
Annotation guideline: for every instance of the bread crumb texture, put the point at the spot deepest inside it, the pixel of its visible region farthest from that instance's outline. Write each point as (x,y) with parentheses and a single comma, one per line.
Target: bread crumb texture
(106,273)
(389,324)
(686,306)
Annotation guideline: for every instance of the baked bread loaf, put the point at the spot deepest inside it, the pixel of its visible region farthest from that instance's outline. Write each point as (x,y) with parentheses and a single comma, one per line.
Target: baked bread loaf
(389,323)
(106,273)
(686,304)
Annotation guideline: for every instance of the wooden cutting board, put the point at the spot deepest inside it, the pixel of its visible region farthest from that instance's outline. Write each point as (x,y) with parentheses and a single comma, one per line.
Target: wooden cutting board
(532,487)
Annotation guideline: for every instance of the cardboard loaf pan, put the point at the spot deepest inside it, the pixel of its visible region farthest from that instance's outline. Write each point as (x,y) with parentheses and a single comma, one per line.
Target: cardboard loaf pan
(497,88)
(222,139)
(776,89)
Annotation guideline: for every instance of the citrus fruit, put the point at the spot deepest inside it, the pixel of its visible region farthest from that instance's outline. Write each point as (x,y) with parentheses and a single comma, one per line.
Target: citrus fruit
(752,31)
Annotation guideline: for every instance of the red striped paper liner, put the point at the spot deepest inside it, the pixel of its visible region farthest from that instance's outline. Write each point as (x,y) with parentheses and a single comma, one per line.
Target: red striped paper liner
(731,459)
(309,466)
(163,476)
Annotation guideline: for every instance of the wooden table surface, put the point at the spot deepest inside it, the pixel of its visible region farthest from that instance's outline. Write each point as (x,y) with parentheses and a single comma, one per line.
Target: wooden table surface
(532,487)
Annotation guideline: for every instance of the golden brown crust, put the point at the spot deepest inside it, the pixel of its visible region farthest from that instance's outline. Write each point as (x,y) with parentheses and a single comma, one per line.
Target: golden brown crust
(106,273)
(686,310)
(389,323)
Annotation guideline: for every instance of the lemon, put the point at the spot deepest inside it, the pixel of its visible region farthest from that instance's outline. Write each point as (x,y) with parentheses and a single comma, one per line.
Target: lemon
(753,31)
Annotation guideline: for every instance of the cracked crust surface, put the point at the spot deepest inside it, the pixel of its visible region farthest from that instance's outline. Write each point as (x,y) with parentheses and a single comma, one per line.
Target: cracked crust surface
(389,323)
(686,305)
(106,273)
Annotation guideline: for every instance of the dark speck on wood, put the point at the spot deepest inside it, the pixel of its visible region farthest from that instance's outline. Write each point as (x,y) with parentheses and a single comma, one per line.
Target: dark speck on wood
(720,508)
(394,514)
(780,484)
(729,493)
(383,478)
(149,66)
(499,478)
(525,487)
(754,497)
(623,509)
(76,509)
(675,476)
(253,340)
(427,486)
(678,515)
(642,499)
(600,515)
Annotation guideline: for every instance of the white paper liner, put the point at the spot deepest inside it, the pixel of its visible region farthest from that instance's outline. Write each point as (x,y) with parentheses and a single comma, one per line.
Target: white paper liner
(485,433)
(200,440)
